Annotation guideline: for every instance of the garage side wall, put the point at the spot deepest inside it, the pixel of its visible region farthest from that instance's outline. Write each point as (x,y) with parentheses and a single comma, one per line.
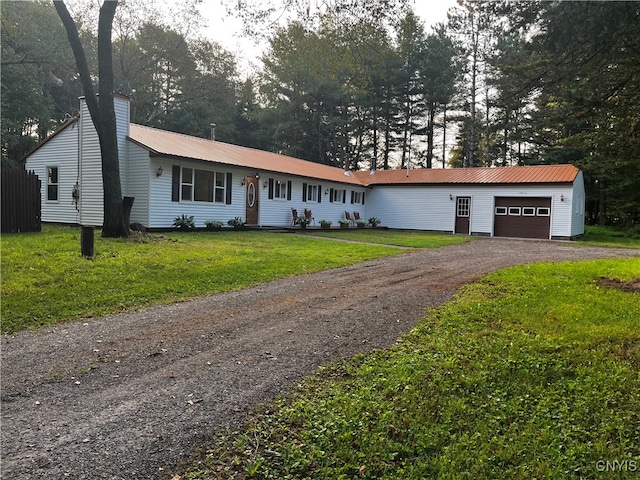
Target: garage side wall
(578,202)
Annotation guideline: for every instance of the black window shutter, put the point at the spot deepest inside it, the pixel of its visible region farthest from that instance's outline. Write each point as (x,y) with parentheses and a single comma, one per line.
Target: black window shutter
(304,192)
(344,196)
(228,192)
(319,193)
(363,197)
(175,183)
(289,190)
(331,195)
(352,195)
(270,188)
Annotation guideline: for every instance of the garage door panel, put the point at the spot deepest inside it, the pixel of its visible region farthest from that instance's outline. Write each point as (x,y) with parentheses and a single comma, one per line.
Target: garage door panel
(522,217)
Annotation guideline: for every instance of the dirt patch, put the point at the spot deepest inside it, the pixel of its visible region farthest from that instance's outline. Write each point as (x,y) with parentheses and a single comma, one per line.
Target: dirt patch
(128,396)
(631,286)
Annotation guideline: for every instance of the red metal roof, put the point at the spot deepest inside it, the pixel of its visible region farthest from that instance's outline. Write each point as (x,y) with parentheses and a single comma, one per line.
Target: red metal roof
(170,144)
(484,175)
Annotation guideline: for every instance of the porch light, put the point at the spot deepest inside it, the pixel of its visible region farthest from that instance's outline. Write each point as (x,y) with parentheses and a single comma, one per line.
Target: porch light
(159,172)
(561,197)
(450,197)
(265,184)
(243,181)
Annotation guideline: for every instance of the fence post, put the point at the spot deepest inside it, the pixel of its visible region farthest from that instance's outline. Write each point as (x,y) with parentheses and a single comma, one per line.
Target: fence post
(86,242)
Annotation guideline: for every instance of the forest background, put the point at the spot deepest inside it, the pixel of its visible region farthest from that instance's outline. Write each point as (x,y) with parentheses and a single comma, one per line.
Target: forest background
(361,85)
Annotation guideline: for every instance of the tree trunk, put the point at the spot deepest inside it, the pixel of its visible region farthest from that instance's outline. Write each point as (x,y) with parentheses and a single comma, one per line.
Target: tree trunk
(430,126)
(102,111)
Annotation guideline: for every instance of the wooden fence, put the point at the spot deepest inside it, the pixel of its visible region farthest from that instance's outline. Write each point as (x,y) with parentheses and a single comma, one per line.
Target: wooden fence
(21,202)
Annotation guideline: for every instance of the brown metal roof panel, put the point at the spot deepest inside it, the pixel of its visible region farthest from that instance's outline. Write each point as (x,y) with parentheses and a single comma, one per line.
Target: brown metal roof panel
(172,144)
(479,175)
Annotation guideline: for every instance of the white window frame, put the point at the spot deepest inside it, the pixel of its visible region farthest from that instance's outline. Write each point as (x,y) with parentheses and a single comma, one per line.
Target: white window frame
(279,189)
(539,211)
(512,211)
(56,184)
(463,207)
(531,210)
(501,211)
(186,183)
(312,193)
(217,189)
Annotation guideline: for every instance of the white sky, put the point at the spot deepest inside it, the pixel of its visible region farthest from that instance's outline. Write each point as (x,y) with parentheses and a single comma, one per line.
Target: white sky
(227,30)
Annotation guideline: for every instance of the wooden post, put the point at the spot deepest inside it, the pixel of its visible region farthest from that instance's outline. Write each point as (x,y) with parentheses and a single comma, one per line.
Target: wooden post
(86,242)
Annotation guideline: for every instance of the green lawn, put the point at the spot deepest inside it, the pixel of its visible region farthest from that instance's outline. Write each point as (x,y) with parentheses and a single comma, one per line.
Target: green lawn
(609,237)
(45,280)
(532,372)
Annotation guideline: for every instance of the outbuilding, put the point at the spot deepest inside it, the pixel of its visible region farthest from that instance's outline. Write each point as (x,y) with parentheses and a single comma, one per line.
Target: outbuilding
(171,174)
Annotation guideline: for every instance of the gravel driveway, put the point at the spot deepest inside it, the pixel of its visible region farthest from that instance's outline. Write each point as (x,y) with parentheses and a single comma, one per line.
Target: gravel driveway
(128,396)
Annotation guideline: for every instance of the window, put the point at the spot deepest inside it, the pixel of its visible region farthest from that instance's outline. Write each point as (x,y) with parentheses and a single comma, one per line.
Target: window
(338,195)
(501,210)
(187,183)
(515,211)
(203,191)
(312,193)
(280,189)
(357,198)
(202,185)
(528,211)
(463,207)
(219,187)
(52,184)
(543,211)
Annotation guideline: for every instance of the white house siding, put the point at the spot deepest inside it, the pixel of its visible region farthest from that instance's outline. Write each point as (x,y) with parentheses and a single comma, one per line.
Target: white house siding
(163,211)
(432,207)
(91,192)
(277,211)
(60,151)
(414,207)
(577,212)
(140,174)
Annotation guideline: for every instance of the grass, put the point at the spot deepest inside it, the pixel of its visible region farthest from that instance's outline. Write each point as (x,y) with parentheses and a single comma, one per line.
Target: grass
(532,372)
(406,238)
(609,237)
(45,280)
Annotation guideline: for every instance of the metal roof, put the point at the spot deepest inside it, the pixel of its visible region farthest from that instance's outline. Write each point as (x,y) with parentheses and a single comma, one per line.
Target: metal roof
(170,144)
(477,175)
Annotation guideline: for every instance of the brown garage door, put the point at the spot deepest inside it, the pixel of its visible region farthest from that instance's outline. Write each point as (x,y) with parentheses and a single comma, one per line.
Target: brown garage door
(525,217)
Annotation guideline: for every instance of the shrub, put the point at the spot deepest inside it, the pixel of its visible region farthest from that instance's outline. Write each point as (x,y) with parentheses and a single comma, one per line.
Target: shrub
(184,223)
(237,223)
(213,224)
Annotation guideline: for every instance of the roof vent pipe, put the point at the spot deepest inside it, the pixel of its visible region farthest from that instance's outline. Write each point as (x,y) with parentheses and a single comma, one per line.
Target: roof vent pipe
(213,131)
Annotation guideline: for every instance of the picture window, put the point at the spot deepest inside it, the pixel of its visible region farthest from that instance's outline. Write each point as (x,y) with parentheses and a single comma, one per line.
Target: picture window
(202,185)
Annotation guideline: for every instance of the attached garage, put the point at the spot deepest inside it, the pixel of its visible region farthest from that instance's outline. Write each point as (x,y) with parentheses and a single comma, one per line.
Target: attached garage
(541,201)
(523,217)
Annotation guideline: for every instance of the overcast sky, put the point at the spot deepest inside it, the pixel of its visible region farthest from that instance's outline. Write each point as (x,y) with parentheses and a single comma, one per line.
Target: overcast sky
(226,30)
